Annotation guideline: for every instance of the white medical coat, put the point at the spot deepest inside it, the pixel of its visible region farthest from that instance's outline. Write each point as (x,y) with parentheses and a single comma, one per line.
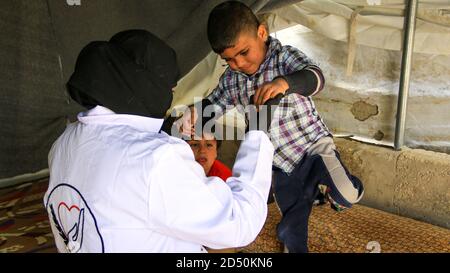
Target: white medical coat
(118,185)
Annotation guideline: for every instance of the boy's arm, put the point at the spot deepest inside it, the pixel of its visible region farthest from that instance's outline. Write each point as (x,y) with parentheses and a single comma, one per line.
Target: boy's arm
(215,104)
(220,96)
(301,74)
(306,82)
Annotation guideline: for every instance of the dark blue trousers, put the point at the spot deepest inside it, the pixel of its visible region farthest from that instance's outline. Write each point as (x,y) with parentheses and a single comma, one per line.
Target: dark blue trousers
(295,194)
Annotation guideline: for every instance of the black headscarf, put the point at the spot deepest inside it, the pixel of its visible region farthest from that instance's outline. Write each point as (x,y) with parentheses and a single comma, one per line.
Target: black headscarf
(133,73)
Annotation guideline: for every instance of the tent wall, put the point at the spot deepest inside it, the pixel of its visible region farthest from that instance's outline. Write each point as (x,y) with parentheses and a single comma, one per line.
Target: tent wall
(77,25)
(182,24)
(39,43)
(33,104)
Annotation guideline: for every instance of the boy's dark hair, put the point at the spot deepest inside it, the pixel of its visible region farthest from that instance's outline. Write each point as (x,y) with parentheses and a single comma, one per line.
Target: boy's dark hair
(227,21)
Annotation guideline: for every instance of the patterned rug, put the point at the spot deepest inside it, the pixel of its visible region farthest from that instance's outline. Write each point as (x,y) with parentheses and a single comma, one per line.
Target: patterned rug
(24,228)
(24,225)
(357,230)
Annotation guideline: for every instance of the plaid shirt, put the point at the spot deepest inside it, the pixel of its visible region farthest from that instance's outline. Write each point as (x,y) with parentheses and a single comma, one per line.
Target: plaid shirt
(296,124)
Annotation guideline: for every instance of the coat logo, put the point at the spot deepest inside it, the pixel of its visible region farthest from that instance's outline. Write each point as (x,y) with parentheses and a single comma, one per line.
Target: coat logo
(72,220)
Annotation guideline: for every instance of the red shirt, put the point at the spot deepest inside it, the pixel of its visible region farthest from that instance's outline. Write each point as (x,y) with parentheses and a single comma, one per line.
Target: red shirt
(219,169)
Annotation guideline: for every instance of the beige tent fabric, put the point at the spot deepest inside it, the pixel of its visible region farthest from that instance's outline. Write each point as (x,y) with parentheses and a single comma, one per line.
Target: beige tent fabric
(379,25)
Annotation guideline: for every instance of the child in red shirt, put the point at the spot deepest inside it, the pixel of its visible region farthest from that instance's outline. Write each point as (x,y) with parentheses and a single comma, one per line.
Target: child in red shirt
(205,152)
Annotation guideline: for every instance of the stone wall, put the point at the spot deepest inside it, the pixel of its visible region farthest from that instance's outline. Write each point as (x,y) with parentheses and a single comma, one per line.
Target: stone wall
(414,183)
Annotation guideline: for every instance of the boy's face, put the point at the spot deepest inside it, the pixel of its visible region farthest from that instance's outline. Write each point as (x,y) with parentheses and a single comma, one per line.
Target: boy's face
(248,51)
(205,151)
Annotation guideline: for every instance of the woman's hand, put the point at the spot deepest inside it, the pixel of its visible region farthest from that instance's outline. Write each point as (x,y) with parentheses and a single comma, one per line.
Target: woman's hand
(187,122)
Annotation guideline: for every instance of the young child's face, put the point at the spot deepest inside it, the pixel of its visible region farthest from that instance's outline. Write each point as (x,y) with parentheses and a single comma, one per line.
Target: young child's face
(248,52)
(205,152)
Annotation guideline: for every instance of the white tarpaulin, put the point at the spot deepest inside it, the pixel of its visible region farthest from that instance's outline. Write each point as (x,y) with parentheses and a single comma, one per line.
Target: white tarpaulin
(378,23)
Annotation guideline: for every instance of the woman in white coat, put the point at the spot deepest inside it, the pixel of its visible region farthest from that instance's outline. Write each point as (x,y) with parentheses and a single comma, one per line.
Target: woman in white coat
(120,184)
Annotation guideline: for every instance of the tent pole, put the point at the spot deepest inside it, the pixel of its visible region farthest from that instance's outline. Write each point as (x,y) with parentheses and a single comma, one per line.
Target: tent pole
(407,52)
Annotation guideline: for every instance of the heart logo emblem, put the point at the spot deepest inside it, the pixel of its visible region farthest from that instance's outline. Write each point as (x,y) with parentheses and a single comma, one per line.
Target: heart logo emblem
(70,220)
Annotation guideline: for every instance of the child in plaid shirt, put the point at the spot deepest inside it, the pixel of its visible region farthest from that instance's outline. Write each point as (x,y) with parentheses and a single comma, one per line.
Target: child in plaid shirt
(260,69)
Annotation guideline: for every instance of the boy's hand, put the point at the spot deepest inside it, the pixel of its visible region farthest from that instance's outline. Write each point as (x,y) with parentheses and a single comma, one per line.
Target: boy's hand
(269,91)
(187,122)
